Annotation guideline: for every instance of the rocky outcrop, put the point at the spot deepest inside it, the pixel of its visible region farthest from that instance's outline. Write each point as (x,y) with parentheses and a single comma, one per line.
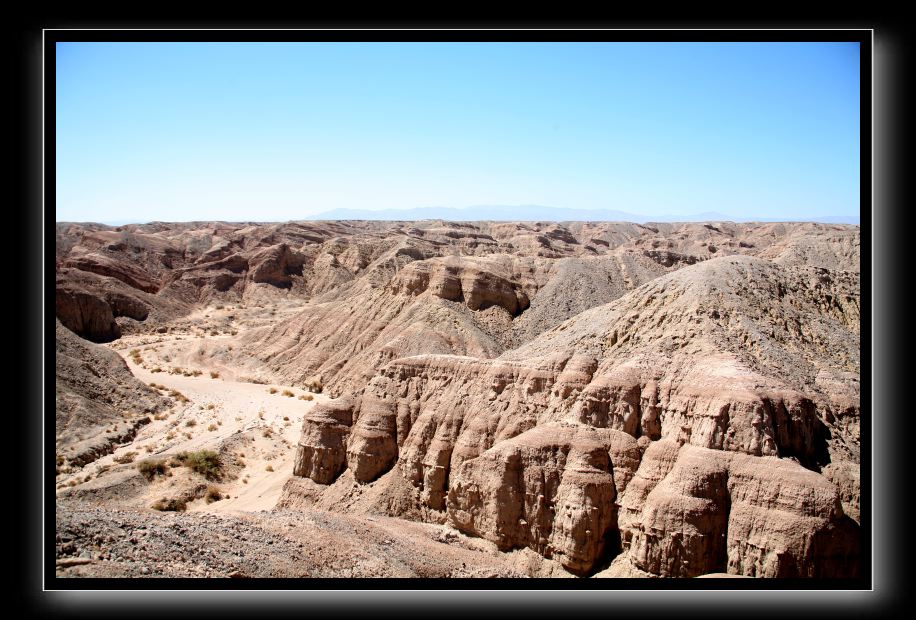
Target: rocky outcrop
(120,270)
(321,454)
(551,489)
(464,280)
(690,511)
(86,314)
(98,402)
(276,265)
(668,364)
(88,304)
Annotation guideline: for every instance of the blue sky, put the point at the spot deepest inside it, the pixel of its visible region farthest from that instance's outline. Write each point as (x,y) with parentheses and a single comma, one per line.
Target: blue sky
(280,131)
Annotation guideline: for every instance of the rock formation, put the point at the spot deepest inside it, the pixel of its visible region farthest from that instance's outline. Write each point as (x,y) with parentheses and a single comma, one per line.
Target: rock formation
(660,400)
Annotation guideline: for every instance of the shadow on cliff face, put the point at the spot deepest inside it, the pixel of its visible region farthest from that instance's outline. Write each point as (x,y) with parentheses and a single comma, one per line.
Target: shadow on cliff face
(800,432)
(612,548)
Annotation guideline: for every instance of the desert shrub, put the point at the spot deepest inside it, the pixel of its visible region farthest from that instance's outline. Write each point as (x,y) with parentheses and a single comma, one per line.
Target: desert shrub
(205,462)
(267,433)
(152,468)
(127,457)
(306,397)
(174,505)
(211,406)
(156,369)
(269,468)
(214,374)
(191,423)
(272,390)
(214,494)
(288,393)
(212,427)
(286,418)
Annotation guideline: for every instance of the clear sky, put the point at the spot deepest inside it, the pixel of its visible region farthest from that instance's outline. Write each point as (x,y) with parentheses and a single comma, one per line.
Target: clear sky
(281,131)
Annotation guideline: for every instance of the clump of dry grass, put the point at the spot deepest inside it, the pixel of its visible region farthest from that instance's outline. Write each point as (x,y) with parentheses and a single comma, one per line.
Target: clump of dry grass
(152,468)
(269,468)
(171,505)
(127,457)
(205,462)
(214,494)
(214,374)
(191,423)
(306,397)
(288,393)
(212,427)
(272,390)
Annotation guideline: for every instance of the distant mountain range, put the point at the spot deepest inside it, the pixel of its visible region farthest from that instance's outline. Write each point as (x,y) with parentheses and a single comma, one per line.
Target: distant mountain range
(535,213)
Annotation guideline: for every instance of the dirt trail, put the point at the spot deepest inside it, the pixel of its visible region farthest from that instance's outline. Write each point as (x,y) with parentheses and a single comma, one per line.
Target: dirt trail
(216,410)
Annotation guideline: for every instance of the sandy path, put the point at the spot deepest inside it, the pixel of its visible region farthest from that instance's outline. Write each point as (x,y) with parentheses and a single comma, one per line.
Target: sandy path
(218,409)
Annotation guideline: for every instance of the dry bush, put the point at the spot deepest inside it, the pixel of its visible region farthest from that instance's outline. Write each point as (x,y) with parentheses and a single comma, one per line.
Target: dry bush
(127,457)
(172,505)
(288,393)
(212,427)
(152,468)
(272,390)
(204,462)
(191,423)
(214,494)
(269,468)
(306,397)
(214,374)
